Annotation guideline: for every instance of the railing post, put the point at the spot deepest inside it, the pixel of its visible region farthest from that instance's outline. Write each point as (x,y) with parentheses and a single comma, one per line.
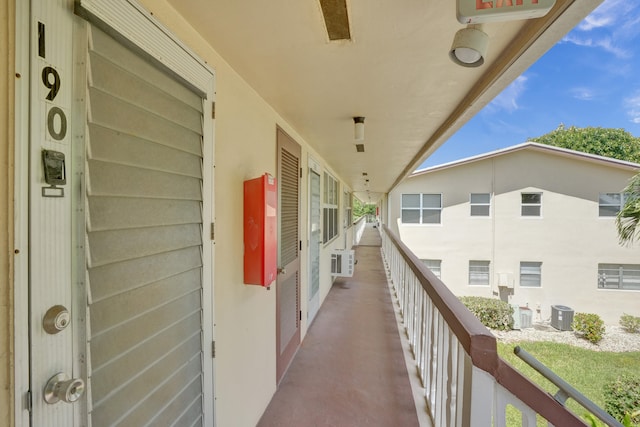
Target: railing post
(482,399)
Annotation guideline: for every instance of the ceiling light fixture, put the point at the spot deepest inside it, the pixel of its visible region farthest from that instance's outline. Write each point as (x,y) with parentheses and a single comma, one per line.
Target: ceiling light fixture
(358,131)
(469,46)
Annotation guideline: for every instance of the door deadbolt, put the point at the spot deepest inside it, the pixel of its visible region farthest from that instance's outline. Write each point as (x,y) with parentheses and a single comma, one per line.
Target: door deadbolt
(56,319)
(62,388)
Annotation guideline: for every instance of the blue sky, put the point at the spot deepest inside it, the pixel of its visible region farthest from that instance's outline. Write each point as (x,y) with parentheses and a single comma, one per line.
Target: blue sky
(589,78)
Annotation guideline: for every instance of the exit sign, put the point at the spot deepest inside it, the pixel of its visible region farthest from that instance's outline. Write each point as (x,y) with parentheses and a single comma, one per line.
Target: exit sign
(479,11)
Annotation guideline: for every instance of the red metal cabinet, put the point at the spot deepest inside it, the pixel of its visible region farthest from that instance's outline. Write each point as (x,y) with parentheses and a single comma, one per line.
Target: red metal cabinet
(260,230)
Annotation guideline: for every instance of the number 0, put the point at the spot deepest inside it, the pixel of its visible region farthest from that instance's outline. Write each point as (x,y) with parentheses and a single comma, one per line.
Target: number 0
(53,112)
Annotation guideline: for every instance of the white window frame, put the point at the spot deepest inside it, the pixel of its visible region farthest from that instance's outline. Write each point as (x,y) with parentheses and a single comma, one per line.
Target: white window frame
(524,205)
(479,273)
(348,209)
(330,208)
(480,206)
(421,208)
(607,206)
(435,266)
(619,276)
(531,274)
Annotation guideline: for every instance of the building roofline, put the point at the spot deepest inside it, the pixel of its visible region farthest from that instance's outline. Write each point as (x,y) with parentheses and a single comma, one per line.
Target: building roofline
(531,146)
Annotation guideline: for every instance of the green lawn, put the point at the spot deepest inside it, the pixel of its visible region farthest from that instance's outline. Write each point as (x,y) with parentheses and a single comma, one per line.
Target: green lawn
(586,370)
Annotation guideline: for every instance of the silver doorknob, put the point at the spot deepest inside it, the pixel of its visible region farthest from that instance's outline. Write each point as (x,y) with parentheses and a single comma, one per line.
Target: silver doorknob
(62,388)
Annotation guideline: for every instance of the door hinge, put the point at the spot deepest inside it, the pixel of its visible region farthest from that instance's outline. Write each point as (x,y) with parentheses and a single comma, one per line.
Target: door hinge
(213,110)
(213,231)
(28,400)
(213,349)
(300,173)
(300,315)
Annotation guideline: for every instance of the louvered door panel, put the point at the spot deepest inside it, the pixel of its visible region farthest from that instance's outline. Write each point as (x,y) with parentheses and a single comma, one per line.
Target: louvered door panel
(144,241)
(289,209)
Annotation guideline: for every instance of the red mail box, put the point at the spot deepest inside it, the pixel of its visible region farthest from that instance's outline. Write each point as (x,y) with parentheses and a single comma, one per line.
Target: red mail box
(260,230)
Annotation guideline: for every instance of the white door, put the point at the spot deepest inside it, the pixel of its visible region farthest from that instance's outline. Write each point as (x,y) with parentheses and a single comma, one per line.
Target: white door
(121,289)
(315,239)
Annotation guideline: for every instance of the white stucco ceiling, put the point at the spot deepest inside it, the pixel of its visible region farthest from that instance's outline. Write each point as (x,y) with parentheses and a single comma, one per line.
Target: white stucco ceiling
(395,72)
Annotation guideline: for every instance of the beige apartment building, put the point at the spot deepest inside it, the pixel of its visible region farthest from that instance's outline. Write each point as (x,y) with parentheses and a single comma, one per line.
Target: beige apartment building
(531,224)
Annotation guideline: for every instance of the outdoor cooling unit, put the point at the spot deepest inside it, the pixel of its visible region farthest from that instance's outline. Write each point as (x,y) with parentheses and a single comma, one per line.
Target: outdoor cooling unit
(561,317)
(342,262)
(522,317)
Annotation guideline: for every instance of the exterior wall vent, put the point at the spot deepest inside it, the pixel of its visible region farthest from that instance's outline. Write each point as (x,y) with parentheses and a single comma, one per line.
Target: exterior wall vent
(505,280)
(360,148)
(336,19)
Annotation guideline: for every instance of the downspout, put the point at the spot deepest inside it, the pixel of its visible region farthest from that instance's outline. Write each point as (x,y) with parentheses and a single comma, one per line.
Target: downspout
(493,222)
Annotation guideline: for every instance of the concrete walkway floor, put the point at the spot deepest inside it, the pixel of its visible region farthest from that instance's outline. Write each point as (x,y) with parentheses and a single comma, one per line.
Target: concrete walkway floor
(350,369)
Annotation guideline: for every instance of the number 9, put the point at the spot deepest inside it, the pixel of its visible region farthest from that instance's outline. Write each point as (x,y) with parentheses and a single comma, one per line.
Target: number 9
(55,85)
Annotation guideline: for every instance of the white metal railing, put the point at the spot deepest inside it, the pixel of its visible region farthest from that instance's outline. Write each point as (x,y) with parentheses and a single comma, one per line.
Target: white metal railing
(359,227)
(465,382)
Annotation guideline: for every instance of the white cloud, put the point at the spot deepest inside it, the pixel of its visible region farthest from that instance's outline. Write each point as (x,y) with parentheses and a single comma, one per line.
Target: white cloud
(583,93)
(604,43)
(508,99)
(609,27)
(632,104)
(604,16)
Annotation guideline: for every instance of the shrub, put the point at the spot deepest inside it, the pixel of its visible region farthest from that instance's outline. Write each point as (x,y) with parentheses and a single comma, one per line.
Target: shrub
(493,313)
(630,323)
(622,398)
(590,326)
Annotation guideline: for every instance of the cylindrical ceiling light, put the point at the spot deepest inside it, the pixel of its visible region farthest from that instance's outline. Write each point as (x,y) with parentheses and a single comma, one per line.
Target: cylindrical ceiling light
(358,131)
(469,46)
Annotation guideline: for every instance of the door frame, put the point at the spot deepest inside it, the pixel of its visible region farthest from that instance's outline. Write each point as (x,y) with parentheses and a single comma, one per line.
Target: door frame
(21,215)
(284,358)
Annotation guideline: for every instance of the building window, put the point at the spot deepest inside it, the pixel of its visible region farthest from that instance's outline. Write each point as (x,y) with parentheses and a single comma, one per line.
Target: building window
(434,266)
(348,211)
(480,204)
(609,204)
(531,204)
(421,208)
(330,208)
(531,274)
(479,273)
(619,276)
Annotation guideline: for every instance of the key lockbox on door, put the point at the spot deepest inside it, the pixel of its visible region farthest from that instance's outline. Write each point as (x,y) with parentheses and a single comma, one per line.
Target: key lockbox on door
(260,230)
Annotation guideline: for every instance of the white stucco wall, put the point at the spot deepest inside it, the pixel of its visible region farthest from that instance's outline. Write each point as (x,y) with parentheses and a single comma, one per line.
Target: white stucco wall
(569,238)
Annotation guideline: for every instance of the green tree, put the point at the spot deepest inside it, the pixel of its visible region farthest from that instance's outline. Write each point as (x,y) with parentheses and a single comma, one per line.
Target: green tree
(615,143)
(360,209)
(628,219)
